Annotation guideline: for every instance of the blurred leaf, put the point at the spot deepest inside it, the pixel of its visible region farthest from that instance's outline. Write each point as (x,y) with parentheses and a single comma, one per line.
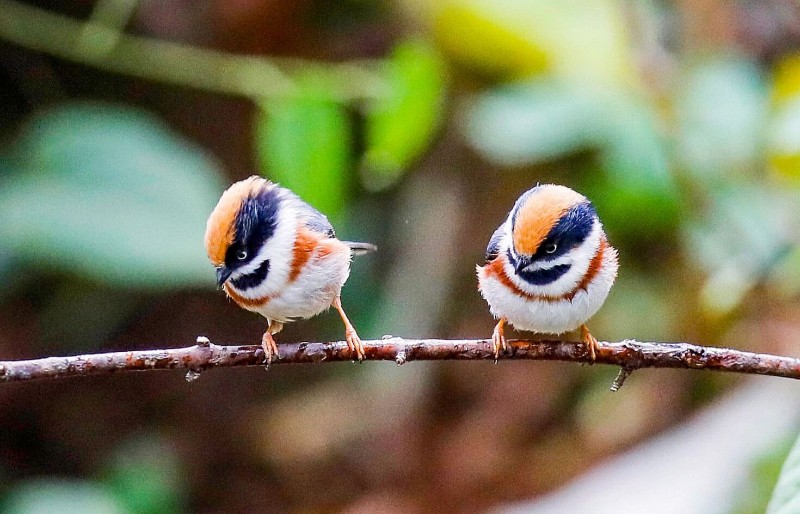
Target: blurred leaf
(785,276)
(638,195)
(486,45)
(786,496)
(304,144)
(784,140)
(536,121)
(581,40)
(45,496)
(747,234)
(722,112)
(145,476)
(400,126)
(784,133)
(110,193)
(786,79)
(546,119)
(761,480)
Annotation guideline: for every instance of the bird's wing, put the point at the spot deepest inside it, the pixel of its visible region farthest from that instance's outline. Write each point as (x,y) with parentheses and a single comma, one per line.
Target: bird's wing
(312,218)
(494,244)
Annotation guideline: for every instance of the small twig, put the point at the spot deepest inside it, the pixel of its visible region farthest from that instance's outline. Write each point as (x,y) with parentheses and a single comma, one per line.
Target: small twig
(93,43)
(629,355)
(623,374)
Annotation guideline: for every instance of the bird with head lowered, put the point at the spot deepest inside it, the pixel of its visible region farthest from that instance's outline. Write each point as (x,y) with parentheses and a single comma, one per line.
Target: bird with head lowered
(278,256)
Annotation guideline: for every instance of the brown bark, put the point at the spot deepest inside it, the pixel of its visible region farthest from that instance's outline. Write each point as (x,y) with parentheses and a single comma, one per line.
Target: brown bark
(628,355)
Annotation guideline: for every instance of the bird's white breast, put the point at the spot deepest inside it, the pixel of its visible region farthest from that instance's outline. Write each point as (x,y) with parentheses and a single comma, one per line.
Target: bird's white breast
(550,316)
(314,289)
(284,297)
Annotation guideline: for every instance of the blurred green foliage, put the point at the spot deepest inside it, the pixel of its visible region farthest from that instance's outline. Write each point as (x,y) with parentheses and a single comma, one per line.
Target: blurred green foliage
(741,248)
(45,496)
(304,144)
(401,125)
(580,40)
(786,495)
(142,478)
(109,193)
(145,476)
(721,110)
(546,119)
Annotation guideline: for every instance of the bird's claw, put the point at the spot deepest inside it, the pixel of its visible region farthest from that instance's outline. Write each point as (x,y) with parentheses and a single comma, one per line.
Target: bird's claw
(354,344)
(499,342)
(269,346)
(591,343)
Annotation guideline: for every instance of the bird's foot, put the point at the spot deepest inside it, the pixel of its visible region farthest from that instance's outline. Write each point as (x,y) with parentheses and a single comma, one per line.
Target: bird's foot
(269,346)
(589,340)
(499,342)
(354,343)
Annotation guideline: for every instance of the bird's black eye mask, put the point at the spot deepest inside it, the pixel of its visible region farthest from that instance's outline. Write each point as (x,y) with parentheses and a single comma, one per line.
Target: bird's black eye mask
(255,224)
(571,230)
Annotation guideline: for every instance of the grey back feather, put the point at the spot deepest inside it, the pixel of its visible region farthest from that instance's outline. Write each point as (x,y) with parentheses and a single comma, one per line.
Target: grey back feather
(312,218)
(318,222)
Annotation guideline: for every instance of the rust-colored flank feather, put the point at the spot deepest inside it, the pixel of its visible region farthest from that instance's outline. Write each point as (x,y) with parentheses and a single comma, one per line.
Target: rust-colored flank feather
(594,266)
(308,244)
(243,301)
(221,226)
(539,215)
(304,245)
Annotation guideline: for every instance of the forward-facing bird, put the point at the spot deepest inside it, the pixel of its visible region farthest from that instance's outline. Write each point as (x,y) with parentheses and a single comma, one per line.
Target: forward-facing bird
(548,267)
(278,256)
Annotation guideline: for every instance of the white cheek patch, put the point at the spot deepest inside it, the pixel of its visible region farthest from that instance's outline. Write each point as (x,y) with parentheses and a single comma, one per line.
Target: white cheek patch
(579,258)
(564,259)
(278,249)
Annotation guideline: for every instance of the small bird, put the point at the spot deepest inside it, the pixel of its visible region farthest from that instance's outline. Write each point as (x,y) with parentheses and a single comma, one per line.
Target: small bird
(278,256)
(548,267)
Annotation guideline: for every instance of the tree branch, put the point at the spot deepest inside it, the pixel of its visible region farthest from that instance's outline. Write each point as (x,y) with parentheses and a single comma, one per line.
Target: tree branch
(629,355)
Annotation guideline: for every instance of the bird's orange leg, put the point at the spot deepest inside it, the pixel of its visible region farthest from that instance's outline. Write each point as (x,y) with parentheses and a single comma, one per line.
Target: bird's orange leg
(268,342)
(351,336)
(589,340)
(499,338)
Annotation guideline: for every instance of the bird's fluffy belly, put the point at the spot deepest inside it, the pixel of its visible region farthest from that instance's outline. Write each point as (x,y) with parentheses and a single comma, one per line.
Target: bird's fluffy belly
(314,289)
(544,316)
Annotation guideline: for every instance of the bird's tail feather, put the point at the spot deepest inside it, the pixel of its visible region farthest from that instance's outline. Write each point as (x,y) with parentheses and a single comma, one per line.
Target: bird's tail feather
(361,248)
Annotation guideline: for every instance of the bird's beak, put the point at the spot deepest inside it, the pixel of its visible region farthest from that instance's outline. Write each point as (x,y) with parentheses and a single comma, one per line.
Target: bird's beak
(223,274)
(521,265)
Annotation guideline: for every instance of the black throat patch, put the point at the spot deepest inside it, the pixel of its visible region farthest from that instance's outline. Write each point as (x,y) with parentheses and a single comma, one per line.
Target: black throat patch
(253,279)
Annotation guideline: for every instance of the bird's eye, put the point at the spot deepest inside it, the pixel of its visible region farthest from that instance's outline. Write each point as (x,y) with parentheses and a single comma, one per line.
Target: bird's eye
(551,248)
(241,255)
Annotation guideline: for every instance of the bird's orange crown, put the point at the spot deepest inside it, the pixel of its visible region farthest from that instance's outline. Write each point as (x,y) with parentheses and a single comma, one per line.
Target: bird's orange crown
(539,213)
(221,226)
